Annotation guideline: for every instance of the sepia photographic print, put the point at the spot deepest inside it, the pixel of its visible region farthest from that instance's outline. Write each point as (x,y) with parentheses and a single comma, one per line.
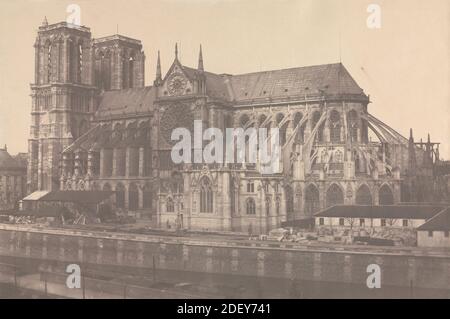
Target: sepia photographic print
(245,150)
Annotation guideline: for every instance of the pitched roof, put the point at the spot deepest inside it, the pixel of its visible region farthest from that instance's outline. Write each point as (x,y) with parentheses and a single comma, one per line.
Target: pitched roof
(385,211)
(309,80)
(440,222)
(7,161)
(35,195)
(134,101)
(84,197)
(328,79)
(216,85)
(299,83)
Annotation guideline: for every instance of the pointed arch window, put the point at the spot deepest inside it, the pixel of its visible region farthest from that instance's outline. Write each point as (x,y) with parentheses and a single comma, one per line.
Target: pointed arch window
(170,207)
(268,205)
(147,196)
(120,196)
(300,136)
(363,196)
(324,156)
(337,157)
(353,125)
(131,70)
(105,70)
(335,127)
(335,196)
(315,121)
(79,61)
(133,197)
(125,68)
(289,202)
(49,63)
(206,196)
(251,208)
(282,129)
(232,196)
(312,201)
(385,195)
(243,120)
(261,119)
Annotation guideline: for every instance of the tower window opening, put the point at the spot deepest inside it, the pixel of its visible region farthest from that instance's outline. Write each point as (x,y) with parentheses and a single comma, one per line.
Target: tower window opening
(49,64)
(80,62)
(131,72)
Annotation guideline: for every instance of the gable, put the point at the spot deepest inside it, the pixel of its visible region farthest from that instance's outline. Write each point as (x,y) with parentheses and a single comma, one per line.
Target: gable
(177,82)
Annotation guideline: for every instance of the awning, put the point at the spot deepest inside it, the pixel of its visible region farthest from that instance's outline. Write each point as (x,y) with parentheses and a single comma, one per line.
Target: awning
(82,197)
(36,195)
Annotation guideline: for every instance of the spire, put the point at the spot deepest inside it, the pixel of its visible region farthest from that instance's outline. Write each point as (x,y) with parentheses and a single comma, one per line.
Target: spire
(45,22)
(176,51)
(412,160)
(200,60)
(427,155)
(428,145)
(158,78)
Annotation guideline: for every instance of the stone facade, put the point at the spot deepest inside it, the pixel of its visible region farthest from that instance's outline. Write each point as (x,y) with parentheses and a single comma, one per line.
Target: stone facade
(13,175)
(69,74)
(120,138)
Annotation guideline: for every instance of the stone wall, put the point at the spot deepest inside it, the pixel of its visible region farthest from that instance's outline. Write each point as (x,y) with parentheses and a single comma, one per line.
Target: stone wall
(399,268)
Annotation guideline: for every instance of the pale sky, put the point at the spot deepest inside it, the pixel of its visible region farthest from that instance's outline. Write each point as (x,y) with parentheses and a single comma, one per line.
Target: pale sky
(404,65)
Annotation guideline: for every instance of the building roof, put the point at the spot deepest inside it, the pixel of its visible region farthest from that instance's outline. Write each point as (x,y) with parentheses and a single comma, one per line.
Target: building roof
(83,197)
(36,195)
(440,222)
(329,79)
(217,86)
(307,82)
(117,38)
(301,82)
(8,162)
(385,211)
(128,102)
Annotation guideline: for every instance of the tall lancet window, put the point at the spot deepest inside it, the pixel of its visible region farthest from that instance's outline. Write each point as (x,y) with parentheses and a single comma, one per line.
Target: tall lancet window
(206,196)
(352,120)
(170,206)
(300,136)
(73,60)
(335,127)
(79,61)
(251,207)
(106,70)
(49,63)
(315,122)
(124,72)
(131,71)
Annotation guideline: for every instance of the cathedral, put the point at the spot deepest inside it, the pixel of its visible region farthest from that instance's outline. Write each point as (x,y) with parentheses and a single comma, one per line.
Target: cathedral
(97,126)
